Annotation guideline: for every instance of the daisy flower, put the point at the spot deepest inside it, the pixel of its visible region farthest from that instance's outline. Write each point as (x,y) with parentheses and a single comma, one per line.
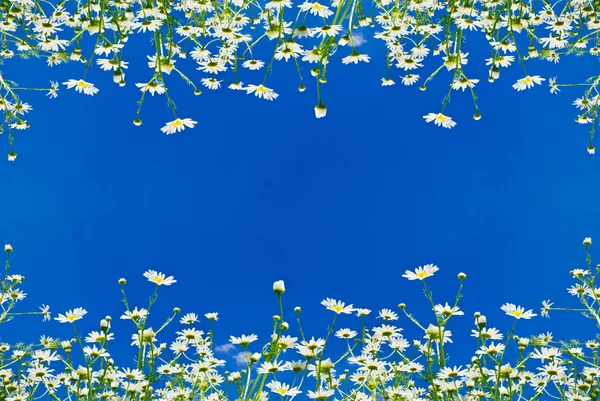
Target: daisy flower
(261,91)
(355,57)
(517,311)
(283,389)
(81,86)
(175,126)
(238,86)
(211,83)
(410,79)
(421,273)
(387,82)
(440,120)
(243,340)
(71,315)
(528,82)
(316,9)
(327,30)
(337,306)
(159,278)
(212,316)
(189,318)
(152,87)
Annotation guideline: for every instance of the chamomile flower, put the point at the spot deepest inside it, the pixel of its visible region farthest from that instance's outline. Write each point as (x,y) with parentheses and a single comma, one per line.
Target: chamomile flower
(211,83)
(528,82)
(316,9)
(283,389)
(261,91)
(421,273)
(440,120)
(337,306)
(71,315)
(243,340)
(517,312)
(152,87)
(81,86)
(152,275)
(355,57)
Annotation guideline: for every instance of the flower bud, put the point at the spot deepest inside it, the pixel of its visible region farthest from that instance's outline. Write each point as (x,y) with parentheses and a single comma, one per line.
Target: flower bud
(297,309)
(7,248)
(462,276)
(587,241)
(122,281)
(481,322)
(279,287)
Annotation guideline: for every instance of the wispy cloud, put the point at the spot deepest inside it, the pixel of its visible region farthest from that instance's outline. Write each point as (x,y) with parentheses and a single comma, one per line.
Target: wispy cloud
(240,358)
(225,348)
(359,38)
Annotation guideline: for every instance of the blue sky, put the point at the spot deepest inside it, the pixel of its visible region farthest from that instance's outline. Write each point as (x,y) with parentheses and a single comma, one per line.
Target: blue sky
(337,207)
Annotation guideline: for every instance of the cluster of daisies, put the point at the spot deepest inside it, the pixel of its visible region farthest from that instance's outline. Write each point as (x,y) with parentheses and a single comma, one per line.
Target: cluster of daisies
(364,363)
(228,37)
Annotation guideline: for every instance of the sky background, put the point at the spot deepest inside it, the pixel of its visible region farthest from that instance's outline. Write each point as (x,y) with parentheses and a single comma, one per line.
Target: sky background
(337,207)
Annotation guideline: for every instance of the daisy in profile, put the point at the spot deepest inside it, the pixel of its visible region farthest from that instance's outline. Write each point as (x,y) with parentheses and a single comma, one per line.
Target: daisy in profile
(71,315)
(283,389)
(81,86)
(517,312)
(159,278)
(212,316)
(152,87)
(528,82)
(211,83)
(243,340)
(175,126)
(355,57)
(421,273)
(440,120)
(337,306)
(261,91)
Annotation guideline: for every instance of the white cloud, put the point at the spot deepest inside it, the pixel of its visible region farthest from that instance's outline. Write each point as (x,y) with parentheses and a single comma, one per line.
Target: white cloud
(240,358)
(359,38)
(225,348)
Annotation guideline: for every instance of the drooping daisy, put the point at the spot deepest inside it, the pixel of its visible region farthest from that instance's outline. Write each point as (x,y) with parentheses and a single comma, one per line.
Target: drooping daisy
(82,86)
(71,315)
(320,110)
(421,273)
(152,86)
(237,86)
(327,30)
(253,64)
(410,79)
(387,82)
(211,83)
(355,57)
(440,120)
(261,91)
(152,275)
